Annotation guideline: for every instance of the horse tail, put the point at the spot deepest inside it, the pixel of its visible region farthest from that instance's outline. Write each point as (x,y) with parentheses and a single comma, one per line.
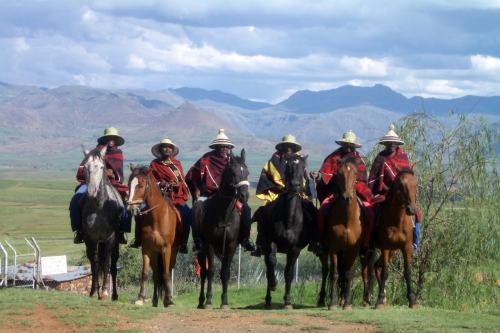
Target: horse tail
(161,281)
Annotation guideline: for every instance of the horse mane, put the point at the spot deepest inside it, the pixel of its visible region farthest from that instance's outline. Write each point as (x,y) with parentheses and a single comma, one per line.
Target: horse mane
(406,170)
(140,170)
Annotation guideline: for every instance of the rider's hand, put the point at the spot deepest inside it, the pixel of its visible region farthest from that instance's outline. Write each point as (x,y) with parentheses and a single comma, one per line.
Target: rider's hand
(110,173)
(314,174)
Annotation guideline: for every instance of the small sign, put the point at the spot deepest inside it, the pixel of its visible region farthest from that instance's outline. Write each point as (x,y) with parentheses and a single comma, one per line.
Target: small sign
(54,265)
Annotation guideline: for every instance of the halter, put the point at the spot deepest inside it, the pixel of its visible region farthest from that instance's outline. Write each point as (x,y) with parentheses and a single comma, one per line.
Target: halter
(138,202)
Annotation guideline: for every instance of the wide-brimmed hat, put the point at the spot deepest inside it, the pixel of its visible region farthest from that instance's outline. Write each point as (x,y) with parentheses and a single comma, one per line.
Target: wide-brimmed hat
(290,141)
(111,133)
(221,140)
(348,138)
(155,150)
(391,136)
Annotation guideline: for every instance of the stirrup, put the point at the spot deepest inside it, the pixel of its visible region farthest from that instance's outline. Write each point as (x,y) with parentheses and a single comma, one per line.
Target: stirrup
(78,238)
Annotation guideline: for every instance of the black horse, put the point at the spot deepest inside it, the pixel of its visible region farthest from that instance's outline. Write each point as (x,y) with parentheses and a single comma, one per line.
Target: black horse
(286,225)
(218,219)
(102,208)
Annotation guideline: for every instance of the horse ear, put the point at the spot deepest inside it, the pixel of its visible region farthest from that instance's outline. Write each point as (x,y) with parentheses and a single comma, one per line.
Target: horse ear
(103,151)
(413,168)
(243,155)
(84,151)
(131,166)
(305,157)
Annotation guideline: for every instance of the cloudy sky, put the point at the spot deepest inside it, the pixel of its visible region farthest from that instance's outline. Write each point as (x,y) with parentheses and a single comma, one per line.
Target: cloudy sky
(259,49)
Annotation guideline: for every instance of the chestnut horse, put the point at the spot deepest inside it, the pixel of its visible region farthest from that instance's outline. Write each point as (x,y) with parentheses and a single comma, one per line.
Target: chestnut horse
(159,231)
(395,231)
(344,234)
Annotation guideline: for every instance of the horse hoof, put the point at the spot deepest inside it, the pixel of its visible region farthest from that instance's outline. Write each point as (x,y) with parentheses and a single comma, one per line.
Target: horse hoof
(348,307)
(332,307)
(114,297)
(366,304)
(207,306)
(379,306)
(200,306)
(224,307)
(139,302)
(288,307)
(268,307)
(414,306)
(320,304)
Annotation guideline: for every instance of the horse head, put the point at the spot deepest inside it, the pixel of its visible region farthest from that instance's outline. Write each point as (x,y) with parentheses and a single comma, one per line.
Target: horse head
(405,190)
(235,177)
(94,170)
(346,178)
(138,185)
(295,166)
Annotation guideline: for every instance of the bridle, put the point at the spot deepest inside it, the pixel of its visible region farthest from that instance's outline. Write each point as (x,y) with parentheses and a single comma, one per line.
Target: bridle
(144,199)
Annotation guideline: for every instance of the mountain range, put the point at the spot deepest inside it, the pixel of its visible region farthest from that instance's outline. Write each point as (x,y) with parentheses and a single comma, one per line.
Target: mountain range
(43,121)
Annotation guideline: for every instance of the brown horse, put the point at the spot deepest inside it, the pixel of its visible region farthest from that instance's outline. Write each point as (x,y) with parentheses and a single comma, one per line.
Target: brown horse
(158,221)
(343,236)
(395,231)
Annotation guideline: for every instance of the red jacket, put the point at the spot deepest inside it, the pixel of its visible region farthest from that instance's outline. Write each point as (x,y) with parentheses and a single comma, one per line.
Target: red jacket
(171,172)
(206,173)
(385,168)
(329,170)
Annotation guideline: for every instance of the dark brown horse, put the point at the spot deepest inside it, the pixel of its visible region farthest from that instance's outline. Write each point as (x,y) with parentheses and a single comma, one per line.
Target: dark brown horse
(395,231)
(343,236)
(218,218)
(159,231)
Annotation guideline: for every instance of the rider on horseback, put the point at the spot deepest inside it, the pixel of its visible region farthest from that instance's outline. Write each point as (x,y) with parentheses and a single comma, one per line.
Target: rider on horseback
(386,167)
(326,186)
(271,184)
(114,171)
(204,179)
(168,173)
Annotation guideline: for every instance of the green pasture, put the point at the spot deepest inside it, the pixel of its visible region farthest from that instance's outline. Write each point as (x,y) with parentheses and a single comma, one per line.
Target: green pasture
(81,313)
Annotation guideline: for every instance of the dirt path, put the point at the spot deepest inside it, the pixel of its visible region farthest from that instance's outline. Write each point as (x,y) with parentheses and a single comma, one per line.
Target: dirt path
(43,320)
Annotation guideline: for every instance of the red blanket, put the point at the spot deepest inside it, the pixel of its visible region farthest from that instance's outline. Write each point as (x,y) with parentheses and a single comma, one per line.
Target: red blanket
(385,168)
(206,173)
(171,172)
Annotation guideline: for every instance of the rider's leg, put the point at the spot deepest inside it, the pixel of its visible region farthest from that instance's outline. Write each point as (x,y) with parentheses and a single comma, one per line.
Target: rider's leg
(245,228)
(75,213)
(186,226)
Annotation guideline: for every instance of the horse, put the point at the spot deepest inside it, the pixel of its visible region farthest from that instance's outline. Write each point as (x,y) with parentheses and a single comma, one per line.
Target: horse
(344,234)
(159,233)
(102,209)
(218,219)
(395,231)
(284,226)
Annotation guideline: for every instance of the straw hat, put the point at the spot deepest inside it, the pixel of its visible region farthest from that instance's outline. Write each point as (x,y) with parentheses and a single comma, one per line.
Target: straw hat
(156,148)
(348,138)
(221,140)
(391,136)
(111,133)
(291,141)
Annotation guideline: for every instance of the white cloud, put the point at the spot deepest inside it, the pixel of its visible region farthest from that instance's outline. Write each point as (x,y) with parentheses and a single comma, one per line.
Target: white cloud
(484,63)
(135,62)
(20,45)
(364,66)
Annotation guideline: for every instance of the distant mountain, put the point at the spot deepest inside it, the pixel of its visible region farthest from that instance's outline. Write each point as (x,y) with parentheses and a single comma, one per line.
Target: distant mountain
(383,97)
(197,94)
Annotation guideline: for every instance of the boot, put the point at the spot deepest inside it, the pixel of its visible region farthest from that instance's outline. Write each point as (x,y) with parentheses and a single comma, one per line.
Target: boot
(257,252)
(121,238)
(317,248)
(137,233)
(78,237)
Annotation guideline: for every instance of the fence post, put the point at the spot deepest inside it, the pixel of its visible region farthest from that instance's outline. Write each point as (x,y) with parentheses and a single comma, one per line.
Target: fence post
(5,274)
(239,265)
(297,271)
(172,281)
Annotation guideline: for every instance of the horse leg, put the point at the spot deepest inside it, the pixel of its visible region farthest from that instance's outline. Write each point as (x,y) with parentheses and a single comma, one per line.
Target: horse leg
(348,271)
(203,277)
(156,278)
(114,269)
(270,260)
(104,266)
(408,255)
(324,277)
(367,272)
(384,273)
(167,278)
(224,277)
(144,277)
(334,277)
(91,255)
(210,277)
(291,261)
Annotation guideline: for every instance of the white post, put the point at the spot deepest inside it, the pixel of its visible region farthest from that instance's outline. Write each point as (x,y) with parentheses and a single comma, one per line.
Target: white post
(297,271)
(172,281)
(5,275)
(14,269)
(239,265)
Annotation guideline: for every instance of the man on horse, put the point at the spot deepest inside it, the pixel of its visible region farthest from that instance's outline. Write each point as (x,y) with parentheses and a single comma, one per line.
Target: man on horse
(114,171)
(272,183)
(386,167)
(168,173)
(204,179)
(325,181)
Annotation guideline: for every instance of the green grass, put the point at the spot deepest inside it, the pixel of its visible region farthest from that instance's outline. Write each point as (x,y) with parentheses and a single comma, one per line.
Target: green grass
(80,312)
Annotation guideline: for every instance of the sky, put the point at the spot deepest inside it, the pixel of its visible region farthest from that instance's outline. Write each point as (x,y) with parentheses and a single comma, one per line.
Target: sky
(261,49)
